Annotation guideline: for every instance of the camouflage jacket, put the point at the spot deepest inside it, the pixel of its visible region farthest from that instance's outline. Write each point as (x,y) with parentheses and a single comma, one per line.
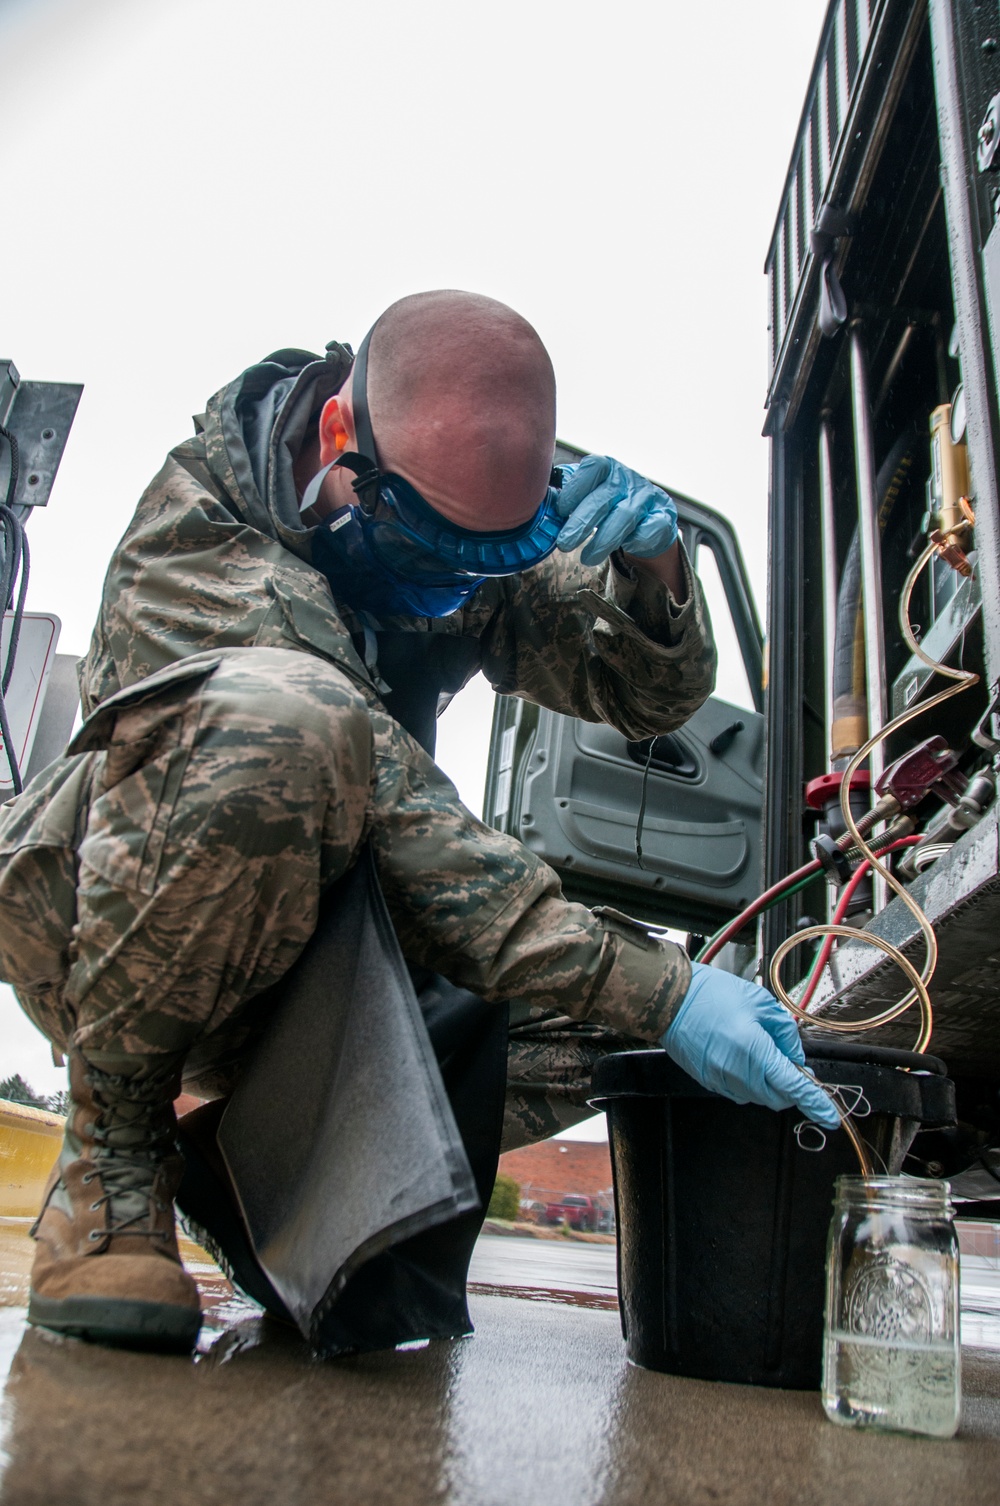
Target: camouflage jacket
(216,556)
(96,853)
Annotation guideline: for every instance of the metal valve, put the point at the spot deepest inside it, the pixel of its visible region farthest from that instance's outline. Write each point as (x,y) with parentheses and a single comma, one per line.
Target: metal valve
(927,767)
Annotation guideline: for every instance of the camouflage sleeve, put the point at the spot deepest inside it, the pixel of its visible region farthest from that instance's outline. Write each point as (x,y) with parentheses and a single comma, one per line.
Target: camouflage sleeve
(602,645)
(481,908)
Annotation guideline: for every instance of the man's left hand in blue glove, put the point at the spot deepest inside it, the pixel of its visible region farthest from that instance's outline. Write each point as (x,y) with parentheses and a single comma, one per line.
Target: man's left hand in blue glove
(736,1039)
(609,507)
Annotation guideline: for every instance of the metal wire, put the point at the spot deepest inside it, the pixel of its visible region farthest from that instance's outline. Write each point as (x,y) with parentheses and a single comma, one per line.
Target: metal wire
(860,1149)
(783,889)
(919,981)
(839,914)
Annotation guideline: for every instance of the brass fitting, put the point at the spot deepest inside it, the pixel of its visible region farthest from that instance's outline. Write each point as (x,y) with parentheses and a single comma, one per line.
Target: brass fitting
(949,486)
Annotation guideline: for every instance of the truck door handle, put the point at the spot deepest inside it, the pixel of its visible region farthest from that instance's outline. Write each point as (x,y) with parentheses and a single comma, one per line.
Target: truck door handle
(666,754)
(725,739)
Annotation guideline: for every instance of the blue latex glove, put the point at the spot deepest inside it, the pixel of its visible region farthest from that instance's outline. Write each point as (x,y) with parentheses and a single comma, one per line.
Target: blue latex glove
(736,1039)
(611,507)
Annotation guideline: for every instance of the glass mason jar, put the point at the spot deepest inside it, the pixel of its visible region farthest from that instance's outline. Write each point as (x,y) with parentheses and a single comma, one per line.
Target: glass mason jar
(892,1346)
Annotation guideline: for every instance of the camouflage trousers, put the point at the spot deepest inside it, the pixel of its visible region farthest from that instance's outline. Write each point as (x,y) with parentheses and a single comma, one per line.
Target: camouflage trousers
(550,1063)
(169,870)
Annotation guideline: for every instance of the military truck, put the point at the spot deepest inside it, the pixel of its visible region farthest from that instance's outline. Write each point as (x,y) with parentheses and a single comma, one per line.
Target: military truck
(882,414)
(881,410)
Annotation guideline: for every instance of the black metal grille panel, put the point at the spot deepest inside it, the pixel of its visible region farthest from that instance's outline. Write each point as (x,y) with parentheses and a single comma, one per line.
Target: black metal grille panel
(847,32)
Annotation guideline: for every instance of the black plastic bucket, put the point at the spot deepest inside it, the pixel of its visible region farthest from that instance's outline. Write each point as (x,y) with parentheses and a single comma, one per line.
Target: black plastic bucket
(723,1217)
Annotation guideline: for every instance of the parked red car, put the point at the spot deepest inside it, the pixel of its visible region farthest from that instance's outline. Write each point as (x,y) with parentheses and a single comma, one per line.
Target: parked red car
(574,1209)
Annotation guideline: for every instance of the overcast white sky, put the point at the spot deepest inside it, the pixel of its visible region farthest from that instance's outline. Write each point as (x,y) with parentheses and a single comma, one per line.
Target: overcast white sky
(190,184)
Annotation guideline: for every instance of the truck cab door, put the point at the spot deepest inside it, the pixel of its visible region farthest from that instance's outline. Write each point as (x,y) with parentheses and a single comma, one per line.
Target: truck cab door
(578,792)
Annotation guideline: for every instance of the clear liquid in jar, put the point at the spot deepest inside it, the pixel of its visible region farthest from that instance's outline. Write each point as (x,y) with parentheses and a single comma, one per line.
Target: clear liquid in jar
(892,1356)
(909,1385)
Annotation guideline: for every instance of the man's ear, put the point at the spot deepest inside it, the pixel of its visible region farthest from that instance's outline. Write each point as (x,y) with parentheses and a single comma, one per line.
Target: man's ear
(334,435)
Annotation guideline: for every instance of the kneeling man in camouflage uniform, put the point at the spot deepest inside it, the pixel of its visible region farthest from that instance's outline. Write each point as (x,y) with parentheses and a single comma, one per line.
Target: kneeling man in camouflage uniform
(338,543)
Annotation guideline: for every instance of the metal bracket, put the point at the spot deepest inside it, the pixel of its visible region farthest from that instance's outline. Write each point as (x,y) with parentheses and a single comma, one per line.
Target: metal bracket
(988,137)
(831,226)
(986,733)
(39,415)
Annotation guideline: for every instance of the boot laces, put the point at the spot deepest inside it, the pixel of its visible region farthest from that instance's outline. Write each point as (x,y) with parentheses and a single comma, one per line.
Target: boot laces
(133,1134)
(128,1194)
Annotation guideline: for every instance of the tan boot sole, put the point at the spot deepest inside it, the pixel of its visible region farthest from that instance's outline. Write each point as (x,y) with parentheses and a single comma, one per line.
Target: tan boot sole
(121,1323)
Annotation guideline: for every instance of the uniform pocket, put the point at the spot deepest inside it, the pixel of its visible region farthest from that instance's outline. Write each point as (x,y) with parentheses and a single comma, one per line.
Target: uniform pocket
(147,733)
(40,832)
(99,728)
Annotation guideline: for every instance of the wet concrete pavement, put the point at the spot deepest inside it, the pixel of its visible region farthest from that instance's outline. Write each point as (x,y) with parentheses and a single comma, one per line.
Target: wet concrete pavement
(540,1269)
(540,1408)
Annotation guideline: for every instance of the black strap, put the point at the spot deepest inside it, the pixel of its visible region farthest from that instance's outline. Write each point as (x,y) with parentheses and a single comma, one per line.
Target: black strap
(364,460)
(359,402)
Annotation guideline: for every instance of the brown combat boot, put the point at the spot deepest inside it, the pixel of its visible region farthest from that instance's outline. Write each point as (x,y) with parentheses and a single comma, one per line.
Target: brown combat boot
(107,1266)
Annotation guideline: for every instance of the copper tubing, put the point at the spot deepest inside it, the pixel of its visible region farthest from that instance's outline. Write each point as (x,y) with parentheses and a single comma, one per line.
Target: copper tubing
(918,991)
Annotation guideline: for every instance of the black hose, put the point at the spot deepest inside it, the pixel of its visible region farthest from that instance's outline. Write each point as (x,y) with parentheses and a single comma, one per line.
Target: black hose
(16,562)
(850,620)
(848,610)
(15,466)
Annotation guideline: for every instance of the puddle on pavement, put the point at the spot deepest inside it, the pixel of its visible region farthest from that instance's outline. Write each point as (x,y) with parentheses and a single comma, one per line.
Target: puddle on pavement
(534,1271)
(601,1301)
(542,1272)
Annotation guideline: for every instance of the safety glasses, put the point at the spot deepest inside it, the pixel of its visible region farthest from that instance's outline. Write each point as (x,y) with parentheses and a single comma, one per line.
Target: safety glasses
(409,536)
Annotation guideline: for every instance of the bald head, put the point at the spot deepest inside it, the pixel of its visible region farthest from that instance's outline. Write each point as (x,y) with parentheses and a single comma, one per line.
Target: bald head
(462,401)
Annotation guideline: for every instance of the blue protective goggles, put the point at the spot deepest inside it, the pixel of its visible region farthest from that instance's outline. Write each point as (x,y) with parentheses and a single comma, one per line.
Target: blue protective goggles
(410,538)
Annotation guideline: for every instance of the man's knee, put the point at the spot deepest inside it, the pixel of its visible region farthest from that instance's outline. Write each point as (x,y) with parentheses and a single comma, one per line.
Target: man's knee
(287,739)
(269,759)
(265,705)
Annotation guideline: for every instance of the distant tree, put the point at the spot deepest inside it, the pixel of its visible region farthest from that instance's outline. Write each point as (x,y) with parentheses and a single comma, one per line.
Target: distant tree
(16,1090)
(506,1199)
(58,1102)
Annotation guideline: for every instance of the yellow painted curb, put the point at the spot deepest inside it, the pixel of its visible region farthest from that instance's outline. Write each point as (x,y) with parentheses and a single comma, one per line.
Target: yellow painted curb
(29,1143)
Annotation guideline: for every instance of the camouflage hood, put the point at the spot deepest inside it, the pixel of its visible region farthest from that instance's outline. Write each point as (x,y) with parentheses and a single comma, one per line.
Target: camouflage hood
(254,428)
(216,558)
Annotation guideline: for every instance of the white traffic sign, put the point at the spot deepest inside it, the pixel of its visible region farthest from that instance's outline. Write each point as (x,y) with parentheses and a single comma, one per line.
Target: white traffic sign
(36,651)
